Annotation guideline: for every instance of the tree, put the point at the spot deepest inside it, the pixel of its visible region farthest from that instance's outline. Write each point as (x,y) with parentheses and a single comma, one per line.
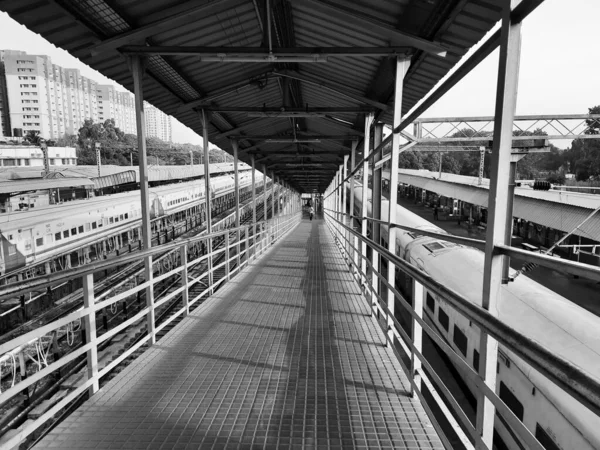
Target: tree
(33,137)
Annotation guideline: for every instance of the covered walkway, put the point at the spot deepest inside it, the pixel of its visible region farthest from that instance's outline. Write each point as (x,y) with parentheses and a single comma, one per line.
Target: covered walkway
(284,356)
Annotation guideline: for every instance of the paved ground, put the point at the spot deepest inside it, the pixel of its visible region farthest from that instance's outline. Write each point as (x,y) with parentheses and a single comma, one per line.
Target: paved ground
(285,356)
(584,293)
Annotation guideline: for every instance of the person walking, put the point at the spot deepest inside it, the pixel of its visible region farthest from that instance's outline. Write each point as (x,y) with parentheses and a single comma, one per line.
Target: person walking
(311,212)
(435,213)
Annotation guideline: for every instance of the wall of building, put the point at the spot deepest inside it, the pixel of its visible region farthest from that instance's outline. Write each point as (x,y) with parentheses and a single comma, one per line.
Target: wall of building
(31,156)
(36,95)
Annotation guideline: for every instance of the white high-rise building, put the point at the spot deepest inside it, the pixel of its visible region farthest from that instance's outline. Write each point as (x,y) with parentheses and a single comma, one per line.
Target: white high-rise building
(53,101)
(116,105)
(46,98)
(158,124)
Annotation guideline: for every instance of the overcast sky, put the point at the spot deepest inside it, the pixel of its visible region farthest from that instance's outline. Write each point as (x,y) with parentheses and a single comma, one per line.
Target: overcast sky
(559,73)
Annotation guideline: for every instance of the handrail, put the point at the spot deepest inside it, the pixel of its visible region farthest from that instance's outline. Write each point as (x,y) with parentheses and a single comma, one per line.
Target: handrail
(566,375)
(20,287)
(574,267)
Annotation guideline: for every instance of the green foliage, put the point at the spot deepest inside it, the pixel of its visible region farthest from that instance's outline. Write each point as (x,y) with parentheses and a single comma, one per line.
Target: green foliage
(121,149)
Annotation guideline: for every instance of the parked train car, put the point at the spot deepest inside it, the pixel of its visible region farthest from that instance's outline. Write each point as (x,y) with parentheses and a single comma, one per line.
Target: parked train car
(553,417)
(36,236)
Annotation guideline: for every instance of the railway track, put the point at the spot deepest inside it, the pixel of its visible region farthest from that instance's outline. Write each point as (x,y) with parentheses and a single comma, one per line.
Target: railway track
(75,373)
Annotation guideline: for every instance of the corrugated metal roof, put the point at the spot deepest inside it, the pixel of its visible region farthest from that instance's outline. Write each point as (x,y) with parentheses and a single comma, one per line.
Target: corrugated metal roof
(549,208)
(78,25)
(8,187)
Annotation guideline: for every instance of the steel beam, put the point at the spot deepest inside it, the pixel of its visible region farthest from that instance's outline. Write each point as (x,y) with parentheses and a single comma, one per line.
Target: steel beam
(365,182)
(506,99)
(137,68)
(271,137)
(354,18)
(334,87)
(291,110)
(166,19)
(261,52)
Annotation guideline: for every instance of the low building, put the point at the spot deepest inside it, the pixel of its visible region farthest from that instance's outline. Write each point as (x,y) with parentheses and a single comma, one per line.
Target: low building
(32,156)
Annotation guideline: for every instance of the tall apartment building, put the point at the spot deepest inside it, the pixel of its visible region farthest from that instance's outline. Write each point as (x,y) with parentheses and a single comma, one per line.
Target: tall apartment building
(158,124)
(36,95)
(120,106)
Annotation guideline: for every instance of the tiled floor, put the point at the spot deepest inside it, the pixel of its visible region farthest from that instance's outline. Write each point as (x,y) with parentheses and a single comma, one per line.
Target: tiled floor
(285,356)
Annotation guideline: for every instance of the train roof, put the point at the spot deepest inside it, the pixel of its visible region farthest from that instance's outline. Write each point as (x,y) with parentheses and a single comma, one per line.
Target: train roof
(558,324)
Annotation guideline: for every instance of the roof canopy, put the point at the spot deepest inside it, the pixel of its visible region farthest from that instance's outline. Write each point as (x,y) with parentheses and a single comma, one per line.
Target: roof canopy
(294,89)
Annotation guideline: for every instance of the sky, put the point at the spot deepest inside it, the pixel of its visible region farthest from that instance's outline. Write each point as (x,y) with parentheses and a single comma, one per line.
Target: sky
(559,69)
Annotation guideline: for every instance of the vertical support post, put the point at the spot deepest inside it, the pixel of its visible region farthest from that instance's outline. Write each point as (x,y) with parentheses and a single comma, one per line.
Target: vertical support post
(254,231)
(137,68)
(417,335)
(506,99)
(272,195)
(354,239)
(90,332)
(481,165)
(185,295)
(207,197)
(401,68)
(236,196)
(509,213)
(227,256)
(265,202)
(365,185)
(376,197)
(344,205)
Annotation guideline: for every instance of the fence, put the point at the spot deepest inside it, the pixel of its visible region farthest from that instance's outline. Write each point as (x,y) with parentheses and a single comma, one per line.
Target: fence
(565,375)
(228,255)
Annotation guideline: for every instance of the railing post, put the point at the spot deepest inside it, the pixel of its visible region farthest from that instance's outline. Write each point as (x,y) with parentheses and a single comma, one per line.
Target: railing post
(238,234)
(90,332)
(417,335)
(247,245)
(184,279)
(506,99)
(353,238)
(149,276)
(227,255)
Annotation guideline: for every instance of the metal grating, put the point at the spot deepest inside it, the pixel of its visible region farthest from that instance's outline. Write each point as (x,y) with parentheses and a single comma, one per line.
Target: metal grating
(163,71)
(101,14)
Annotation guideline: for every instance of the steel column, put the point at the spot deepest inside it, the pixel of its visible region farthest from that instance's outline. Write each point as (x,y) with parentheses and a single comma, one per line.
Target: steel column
(184,279)
(354,257)
(506,97)
(344,205)
(401,68)
(137,67)
(365,183)
(207,195)
(236,196)
(376,197)
(265,192)
(253,202)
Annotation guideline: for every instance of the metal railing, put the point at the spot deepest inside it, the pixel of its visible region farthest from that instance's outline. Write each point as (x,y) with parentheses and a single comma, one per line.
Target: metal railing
(255,239)
(561,372)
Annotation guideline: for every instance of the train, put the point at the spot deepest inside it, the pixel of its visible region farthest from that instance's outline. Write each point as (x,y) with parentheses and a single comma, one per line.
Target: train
(32,237)
(556,419)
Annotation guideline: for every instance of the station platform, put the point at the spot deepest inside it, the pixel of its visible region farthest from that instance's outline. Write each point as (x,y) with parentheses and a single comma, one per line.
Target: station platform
(286,355)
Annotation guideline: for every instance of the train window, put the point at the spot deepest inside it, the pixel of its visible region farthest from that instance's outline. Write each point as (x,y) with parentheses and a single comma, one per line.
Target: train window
(430,302)
(66,233)
(511,401)
(80,229)
(476,360)
(544,438)
(10,236)
(460,339)
(27,245)
(443,318)
(94,225)
(57,237)
(121,217)
(433,246)
(116,219)
(73,231)
(126,216)
(100,223)
(39,242)
(111,220)
(12,249)
(88,226)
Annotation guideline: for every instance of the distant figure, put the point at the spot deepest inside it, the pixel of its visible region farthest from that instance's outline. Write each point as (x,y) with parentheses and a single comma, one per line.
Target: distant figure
(435,213)
(311,212)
